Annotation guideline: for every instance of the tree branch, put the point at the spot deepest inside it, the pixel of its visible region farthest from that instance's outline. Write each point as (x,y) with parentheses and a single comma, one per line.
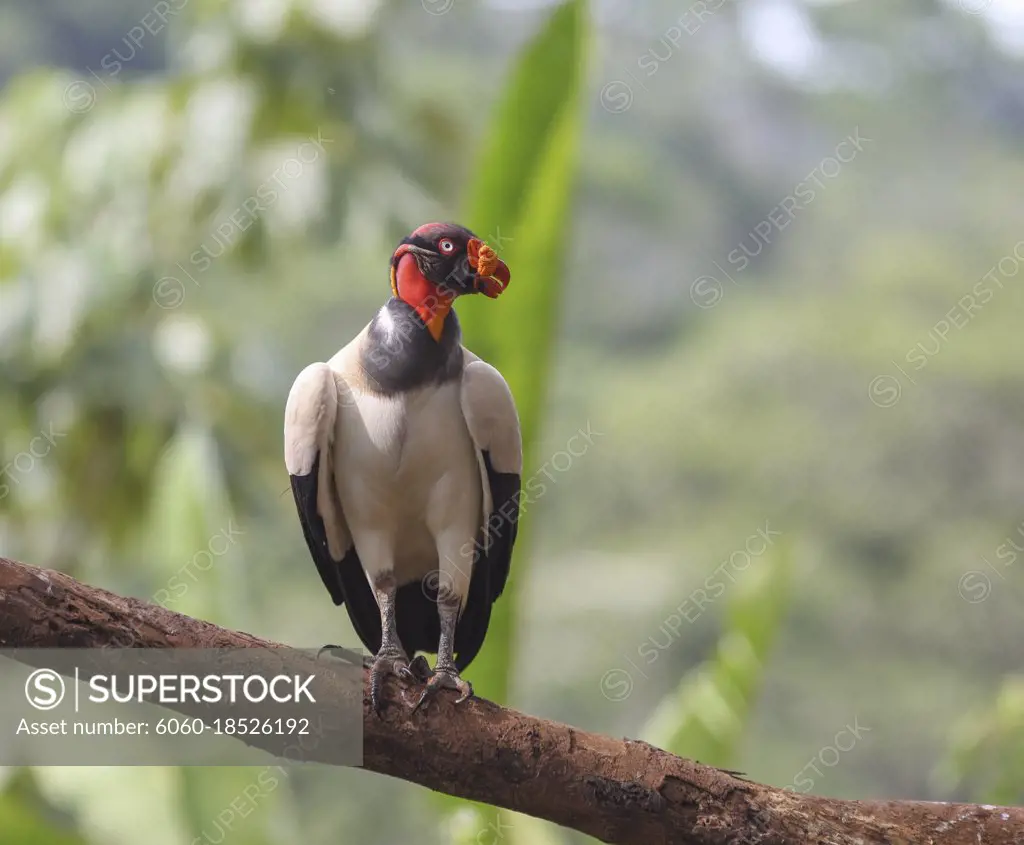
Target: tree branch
(619,791)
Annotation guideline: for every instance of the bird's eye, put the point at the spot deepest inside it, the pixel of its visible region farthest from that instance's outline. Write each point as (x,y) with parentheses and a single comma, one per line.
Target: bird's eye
(447,247)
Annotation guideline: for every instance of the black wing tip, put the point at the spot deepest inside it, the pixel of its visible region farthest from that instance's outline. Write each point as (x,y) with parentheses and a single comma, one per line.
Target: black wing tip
(304,491)
(491,574)
(506,490)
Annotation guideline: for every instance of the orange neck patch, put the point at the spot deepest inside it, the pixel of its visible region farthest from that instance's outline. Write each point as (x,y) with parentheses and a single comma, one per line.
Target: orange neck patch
(409,285)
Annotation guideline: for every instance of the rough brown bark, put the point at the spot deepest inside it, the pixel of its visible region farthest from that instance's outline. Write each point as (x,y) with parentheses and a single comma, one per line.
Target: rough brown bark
(620,791)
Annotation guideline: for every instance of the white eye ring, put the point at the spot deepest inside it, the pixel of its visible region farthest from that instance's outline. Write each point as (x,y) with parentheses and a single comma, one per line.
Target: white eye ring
(447,246)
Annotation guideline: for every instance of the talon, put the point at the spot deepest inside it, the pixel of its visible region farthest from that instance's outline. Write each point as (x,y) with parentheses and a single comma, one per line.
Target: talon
(328,648)
(467,693)
(420,701)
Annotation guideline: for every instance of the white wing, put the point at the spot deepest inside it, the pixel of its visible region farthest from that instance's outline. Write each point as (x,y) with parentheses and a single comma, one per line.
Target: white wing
(310,420)
(493,423)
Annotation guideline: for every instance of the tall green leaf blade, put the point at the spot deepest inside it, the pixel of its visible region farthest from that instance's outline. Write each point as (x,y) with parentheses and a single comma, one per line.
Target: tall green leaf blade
(521,204)
(705,717)
(545,82)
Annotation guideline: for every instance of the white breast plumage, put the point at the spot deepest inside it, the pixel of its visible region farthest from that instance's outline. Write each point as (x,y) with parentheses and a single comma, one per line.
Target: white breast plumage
(407,471)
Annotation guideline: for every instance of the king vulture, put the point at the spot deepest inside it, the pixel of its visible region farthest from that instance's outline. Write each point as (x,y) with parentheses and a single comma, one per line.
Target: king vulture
(405,460)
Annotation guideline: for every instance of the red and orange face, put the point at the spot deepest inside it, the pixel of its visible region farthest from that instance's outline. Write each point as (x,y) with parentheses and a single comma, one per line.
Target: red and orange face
(444,260)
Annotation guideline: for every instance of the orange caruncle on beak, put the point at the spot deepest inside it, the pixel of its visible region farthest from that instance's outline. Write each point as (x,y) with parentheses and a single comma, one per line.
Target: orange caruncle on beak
(492,274)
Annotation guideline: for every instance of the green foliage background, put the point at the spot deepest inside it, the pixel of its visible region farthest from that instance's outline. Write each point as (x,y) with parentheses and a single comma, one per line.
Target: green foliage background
(693,363)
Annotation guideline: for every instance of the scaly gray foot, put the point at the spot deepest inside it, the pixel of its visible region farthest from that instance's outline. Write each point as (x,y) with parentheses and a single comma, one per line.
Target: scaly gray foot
(387,660)
(445,679)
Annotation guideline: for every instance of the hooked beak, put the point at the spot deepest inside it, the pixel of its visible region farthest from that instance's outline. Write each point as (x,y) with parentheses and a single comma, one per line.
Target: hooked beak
(492,274)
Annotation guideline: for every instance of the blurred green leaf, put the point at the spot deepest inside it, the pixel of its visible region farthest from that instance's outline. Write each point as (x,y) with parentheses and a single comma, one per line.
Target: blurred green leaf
(527,830)
(705,717)
(473,824)
(113,805)
(190,535)
(24,824)
(231,802)
(986,753)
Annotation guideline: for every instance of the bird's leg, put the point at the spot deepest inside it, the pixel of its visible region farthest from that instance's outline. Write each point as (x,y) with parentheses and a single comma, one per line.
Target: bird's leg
(446,674)
(391,657)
